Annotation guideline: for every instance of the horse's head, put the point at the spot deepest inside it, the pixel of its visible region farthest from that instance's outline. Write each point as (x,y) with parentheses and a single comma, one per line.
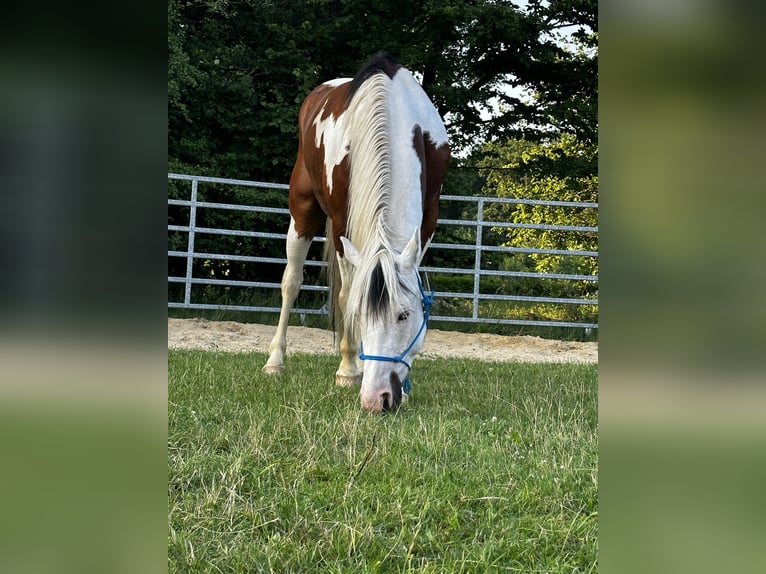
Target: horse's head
(389,309)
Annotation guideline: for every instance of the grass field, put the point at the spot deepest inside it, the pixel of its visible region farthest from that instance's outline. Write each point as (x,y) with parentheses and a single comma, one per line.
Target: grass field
(490,467)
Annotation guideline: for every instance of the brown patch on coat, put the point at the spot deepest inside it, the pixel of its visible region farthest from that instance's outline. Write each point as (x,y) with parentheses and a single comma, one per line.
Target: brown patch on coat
(310,200)
(434,161)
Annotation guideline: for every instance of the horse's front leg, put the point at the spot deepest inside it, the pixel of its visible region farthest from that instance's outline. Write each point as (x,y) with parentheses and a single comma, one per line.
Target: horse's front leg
(348,373)
(292,279)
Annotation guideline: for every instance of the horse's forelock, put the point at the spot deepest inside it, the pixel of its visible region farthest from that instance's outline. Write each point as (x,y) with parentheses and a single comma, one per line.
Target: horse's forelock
(377,297)
(376,288)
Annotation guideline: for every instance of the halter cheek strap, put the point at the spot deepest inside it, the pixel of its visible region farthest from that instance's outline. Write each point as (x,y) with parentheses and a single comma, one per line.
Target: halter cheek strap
(428,301)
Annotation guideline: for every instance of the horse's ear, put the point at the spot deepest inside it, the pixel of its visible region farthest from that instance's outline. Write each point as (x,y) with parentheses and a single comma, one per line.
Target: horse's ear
(411,254)
(350,252)
(423,251)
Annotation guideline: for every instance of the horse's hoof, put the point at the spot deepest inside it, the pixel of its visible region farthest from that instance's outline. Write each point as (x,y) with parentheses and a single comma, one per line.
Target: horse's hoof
(347,380)
(273,369)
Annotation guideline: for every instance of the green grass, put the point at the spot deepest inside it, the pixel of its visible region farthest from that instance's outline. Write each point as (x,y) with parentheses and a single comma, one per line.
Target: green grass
(489,468)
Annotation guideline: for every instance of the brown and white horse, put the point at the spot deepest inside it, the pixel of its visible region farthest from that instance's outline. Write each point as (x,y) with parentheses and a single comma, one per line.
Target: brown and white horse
(372,157)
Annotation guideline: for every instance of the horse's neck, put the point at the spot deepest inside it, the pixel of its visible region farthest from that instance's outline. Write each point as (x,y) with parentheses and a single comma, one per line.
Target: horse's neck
(404,213)
(411,109)
(404,113)
(405,209)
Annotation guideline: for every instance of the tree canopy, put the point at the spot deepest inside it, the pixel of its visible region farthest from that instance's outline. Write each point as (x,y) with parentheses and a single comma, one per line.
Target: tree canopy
(238,71)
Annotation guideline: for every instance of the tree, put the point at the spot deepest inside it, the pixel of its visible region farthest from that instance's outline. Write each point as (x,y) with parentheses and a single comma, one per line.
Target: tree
(516,170)
(238,71)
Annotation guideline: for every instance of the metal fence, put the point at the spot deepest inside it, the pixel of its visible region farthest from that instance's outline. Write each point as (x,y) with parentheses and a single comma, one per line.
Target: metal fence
(480,246)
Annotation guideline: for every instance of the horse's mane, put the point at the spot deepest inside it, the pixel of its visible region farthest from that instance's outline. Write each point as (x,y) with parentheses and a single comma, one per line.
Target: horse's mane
(370,153)
(380,62)
(376,287)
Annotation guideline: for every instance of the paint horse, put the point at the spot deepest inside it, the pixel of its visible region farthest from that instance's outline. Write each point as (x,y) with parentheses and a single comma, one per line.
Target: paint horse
(372,158)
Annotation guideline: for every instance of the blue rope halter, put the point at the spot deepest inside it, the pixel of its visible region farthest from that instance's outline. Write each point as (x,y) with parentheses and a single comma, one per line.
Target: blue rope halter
(428,301)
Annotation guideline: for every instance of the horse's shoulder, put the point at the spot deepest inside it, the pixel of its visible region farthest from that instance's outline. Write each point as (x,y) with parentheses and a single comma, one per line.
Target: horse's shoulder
(328,98)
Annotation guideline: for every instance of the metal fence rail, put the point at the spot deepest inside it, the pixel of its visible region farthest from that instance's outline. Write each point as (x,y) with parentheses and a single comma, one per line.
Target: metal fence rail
(476,270)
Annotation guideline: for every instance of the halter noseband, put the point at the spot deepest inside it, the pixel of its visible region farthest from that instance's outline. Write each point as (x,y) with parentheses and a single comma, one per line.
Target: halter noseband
(428,301)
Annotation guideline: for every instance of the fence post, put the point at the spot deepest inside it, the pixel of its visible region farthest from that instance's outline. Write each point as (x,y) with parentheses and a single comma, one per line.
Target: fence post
(190,245)
(477,258)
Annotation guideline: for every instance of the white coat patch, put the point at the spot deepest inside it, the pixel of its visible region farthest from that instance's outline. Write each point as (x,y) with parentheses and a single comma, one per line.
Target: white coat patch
(332,132)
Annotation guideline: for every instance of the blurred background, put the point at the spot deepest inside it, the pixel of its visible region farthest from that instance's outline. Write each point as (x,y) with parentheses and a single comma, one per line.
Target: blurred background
(83,131)
(681,362)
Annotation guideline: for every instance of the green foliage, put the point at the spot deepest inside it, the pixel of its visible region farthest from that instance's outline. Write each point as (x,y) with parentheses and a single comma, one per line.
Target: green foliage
(237,72)
(555,171)
(559,170)
(488,465)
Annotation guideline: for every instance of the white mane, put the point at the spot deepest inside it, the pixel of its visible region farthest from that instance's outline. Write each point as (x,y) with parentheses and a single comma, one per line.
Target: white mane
(368,200)
(370,160)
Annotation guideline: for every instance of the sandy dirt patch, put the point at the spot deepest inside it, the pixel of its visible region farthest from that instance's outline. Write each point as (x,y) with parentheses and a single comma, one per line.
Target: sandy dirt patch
(249,337)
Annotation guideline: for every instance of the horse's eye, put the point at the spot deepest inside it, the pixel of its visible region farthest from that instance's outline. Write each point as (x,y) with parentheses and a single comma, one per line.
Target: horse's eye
(403,316)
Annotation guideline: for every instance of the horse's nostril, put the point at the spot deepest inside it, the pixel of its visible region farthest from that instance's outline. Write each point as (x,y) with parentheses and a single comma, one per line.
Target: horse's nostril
(385,400)
(390,399)
(396,387)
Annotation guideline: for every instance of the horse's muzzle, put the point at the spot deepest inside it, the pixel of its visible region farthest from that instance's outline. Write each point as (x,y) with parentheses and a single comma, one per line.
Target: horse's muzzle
(385,398)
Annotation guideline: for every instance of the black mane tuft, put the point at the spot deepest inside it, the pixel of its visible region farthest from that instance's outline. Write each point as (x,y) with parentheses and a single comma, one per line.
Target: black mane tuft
(378,300)
(378,296)
(382,62)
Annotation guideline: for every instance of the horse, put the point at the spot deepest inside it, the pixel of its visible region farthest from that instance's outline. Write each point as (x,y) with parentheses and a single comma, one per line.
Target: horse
(372,158)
